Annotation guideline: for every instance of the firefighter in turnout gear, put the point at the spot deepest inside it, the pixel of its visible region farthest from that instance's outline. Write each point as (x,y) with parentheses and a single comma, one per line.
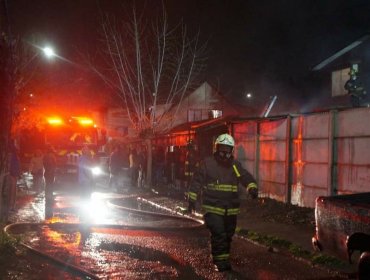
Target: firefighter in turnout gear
(190,162)
(355,88)
(219,177)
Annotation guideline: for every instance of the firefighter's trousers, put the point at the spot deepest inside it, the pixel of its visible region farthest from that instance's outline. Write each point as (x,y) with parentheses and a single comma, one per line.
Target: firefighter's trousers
(222,229)
(49,198)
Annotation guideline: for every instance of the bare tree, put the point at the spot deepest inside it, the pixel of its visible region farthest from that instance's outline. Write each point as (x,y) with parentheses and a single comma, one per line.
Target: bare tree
(16,70)
(152,67)
(11,82)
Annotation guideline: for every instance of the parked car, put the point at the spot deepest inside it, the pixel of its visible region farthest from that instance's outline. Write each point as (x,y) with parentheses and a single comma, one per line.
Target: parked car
(343,227)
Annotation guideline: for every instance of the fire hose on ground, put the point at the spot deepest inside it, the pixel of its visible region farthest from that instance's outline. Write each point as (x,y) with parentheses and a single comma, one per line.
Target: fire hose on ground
(11,228)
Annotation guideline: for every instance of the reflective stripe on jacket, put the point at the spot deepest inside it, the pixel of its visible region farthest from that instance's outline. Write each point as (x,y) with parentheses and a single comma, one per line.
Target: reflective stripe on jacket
(219,184)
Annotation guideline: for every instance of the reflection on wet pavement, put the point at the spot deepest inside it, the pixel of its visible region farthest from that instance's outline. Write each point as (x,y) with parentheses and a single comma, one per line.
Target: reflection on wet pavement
(108,252)
(113,243)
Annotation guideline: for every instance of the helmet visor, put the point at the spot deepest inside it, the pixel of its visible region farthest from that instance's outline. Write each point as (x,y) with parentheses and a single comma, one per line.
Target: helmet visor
(225,155)
(224,151)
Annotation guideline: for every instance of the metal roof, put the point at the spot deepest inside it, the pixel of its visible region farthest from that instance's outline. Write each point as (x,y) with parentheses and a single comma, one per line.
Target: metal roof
(346,49)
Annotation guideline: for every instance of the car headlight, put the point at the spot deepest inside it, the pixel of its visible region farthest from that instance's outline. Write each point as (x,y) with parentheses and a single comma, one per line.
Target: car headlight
(96,171)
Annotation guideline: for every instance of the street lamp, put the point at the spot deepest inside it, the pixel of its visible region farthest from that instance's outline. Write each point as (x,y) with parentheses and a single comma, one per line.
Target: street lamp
(49,52)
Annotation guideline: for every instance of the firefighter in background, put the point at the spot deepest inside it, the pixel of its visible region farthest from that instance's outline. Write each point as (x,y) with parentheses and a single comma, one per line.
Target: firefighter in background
(85,174)
(219,177)
(116,164)
(191,161)
(36,168)
(355,88)
(50,163)
(180,167)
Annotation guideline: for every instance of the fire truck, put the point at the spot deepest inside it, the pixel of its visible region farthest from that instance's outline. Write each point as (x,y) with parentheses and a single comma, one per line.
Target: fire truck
(67,136)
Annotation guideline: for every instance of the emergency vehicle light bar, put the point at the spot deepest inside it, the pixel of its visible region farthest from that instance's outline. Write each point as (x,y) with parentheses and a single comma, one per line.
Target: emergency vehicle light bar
(55,121)
(84,121)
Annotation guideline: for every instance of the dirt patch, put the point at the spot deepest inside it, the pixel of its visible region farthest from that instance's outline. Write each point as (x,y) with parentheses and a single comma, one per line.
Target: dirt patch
(274,211)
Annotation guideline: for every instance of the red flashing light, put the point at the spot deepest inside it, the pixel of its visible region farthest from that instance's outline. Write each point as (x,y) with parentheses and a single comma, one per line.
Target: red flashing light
(55,121)
(84,121)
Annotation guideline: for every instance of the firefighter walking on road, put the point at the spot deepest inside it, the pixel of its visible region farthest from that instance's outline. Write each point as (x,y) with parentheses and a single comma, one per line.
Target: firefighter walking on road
(219,176)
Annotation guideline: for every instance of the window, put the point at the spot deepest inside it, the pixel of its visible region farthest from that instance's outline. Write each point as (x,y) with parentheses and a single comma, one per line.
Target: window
(214,114)
(203,114)
(194,115)
(338,79)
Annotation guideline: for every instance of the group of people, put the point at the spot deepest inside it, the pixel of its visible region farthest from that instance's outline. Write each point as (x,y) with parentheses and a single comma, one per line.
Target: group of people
(217,179)
(134,160)
(175,166)
(43,168)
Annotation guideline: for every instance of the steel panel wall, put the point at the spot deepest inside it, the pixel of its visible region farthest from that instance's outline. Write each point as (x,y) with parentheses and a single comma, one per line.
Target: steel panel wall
(272,171)
(272,150)
(315,176)
(330,153)
(273,129)
(310,158)
(353,123)
(353,179)
(314,126)
(272,159)
(315,150)
(353,151)
(245,144)
(273,190)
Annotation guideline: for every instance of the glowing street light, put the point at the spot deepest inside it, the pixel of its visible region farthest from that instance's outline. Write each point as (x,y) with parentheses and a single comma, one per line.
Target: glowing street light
(49,52)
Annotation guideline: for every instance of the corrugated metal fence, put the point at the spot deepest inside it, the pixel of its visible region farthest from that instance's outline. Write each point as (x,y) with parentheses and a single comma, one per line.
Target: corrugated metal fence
(298,158)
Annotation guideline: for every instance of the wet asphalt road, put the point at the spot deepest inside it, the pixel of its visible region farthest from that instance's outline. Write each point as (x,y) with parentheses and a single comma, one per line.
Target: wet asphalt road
(133,246)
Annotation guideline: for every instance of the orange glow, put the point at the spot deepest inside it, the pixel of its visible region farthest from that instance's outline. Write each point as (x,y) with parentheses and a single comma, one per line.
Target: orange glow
(298,143)
(84,121)
(67,241)
(55,121)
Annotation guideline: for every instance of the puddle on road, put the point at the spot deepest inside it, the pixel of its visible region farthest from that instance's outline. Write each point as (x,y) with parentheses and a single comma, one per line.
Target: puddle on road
(155,261)
(114,254)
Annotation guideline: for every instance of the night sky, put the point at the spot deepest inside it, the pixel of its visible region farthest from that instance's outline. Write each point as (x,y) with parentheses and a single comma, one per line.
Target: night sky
(266,47)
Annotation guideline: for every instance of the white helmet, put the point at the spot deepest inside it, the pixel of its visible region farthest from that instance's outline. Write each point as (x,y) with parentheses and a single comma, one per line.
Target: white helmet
(225,139)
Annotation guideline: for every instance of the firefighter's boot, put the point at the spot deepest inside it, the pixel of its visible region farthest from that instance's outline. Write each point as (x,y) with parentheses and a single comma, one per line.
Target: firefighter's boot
(223,266)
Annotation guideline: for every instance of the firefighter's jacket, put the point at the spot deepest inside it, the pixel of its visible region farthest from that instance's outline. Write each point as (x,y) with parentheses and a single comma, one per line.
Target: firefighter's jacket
(219,186)
(190,163)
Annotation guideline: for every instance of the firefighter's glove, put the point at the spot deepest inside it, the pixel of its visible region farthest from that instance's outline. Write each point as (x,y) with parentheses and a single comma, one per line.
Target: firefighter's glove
(253,193)
(191,206)
(186,196)
(252,190)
